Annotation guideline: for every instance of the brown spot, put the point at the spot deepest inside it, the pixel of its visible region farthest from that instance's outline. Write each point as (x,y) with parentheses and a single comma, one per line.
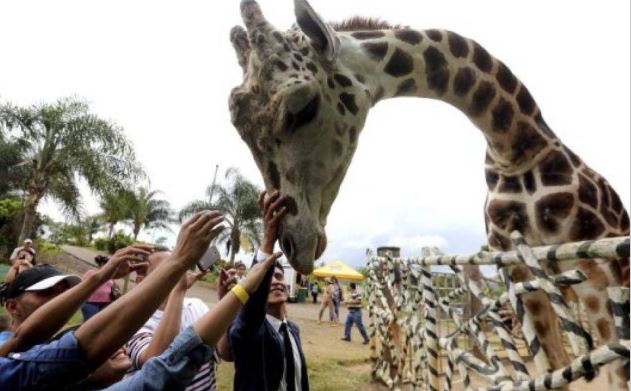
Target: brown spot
(338,148)
(534,307)
(529,182)
(482,98)
(281,65)
(502,116)
(342,80)
(368,34)
(576,161)
(399,64)
(541,328)
(556,169)
(594,273)
(482,58)
(311,67)
(509,184)
(463,81)
(520,274)
(525,101)
(434,35)
(436,70)
(349,102)
(505,78)
(552,209)
(508,215)
(329,82)
(604,329)
(587,191)
(526,143)
(586,226)
(592,303)
(409,36)
(498,241)
(340,108)
(458,46)
(492,177)
(406,88)
(376,50)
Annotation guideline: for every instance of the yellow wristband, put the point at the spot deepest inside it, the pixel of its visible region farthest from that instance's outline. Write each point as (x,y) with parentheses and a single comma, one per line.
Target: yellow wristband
(240,293)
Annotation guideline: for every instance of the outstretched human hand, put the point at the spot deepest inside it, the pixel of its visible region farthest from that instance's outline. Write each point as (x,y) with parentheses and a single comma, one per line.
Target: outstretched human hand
(125,261)
(255,276)
(226,280)
(274,208)
(196,234)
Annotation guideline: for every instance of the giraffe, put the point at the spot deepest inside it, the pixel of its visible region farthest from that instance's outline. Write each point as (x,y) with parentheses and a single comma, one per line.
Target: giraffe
(303,102)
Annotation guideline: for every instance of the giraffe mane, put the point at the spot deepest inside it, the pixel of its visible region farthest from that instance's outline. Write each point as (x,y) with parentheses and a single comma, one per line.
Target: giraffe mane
(359,23)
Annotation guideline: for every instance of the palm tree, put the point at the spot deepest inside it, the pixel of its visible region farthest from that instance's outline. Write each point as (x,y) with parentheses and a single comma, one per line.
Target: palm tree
(63,141)
(238,201)
(113,209)
(145,210)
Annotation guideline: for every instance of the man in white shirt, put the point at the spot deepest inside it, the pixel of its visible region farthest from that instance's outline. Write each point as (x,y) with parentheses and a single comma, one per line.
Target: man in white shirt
(173,316)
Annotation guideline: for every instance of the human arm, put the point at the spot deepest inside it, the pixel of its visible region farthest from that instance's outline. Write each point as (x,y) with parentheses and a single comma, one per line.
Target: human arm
(227,279)
(16,268)
(105,332)
(49,318)
(169,326)
(253,313)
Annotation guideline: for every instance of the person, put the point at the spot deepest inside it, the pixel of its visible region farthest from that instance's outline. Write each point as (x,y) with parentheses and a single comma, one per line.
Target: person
(315,289)
(354,306)
(104,294)
(337,297)
(5,328)
(25,260)
(240,268)
(27,244)
(173,316)
(266,345)
(327,302)
(27,362)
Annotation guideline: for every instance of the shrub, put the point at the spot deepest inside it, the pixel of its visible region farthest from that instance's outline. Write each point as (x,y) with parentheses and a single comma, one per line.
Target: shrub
(118,241)
(101,244)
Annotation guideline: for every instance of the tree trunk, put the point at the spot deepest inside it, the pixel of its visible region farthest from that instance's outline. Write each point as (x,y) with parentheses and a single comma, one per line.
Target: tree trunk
(30,213)
(111,232)
(136,232)
(234,245)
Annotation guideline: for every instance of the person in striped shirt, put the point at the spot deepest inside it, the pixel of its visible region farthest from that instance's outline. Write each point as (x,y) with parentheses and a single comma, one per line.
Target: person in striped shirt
(173,316)
(354,306)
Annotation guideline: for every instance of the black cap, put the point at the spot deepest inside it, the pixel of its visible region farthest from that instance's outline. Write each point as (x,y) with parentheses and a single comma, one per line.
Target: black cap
(39,277)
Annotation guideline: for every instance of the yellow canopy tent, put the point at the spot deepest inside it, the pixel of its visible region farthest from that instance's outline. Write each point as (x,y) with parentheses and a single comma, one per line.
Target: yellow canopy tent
(340,270)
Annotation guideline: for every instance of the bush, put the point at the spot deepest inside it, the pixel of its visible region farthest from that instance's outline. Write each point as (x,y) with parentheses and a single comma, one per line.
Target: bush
(118,241)
(101,244)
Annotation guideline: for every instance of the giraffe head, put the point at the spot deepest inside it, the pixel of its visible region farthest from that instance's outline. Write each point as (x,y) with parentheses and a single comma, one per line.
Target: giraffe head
(300,112)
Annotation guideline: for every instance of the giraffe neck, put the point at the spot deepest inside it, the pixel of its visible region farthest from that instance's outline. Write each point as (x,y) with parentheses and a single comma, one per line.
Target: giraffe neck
(443,65)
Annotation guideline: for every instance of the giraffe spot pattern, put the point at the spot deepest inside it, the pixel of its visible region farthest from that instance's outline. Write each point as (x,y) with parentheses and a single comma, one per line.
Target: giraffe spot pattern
(295,66)
(586,226)
(368,34)
(463,81)
(529,182)
(406,88)
(508,215)
(340,108)
(576,161)
(624,223)
(555,169)
(525,101)
(281,65)
(434,35)
(481,58)
(274,175)
(594,273)
(606,201)
(376,50)
(499,241)
(505,78)
(436,70)
(400,63)
(492,178)
(338,148)
(502,116)
(587,191)
(482,98)
(592,303)
(543,126)
(352,135)
(526,143)
(349,102)
(291,205)
(342,80)
(278,36)
(304,51)
(458,46)
(297,56)
(329,82)
(509,184)
(378,95)
(408,36)
(312,68)
(552,209)
(360,78)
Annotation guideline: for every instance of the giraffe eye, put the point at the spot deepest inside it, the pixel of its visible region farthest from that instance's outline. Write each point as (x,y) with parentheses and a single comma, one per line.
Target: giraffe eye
(294,121)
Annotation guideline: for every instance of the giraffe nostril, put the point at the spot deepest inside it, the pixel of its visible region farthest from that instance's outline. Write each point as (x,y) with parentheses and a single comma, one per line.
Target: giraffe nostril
(288,247)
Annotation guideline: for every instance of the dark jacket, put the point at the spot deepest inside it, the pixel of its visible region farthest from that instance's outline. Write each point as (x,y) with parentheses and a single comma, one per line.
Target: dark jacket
(257,348)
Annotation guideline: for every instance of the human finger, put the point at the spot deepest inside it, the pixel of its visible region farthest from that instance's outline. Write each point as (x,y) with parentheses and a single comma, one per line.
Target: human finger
(193,219)
(204,218)
(269,200)
(209,224)
(215,231)
(262,199)
(279,215)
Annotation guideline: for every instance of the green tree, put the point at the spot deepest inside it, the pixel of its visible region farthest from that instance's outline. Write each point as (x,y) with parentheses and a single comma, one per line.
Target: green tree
(113,209)
(237,199)
(145,210)
(63,141)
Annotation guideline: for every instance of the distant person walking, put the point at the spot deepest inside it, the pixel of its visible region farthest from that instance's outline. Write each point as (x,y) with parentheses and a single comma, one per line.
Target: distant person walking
(327,302)
(354,305)
(338,297)
(315,289)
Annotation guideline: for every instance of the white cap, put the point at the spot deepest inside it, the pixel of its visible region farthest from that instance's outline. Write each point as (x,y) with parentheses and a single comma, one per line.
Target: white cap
(54,280)
(28,241)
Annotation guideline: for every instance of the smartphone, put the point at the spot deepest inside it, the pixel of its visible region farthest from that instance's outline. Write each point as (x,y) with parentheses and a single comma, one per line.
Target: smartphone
(209,258)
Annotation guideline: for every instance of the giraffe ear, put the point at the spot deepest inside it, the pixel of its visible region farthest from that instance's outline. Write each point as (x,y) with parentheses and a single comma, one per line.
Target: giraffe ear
(322,36)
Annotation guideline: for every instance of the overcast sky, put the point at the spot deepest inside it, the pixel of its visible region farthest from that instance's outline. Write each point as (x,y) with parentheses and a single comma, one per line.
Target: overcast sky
(164,69)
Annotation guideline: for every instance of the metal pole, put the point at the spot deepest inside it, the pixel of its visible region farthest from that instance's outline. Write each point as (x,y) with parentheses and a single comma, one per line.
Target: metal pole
(212,186)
